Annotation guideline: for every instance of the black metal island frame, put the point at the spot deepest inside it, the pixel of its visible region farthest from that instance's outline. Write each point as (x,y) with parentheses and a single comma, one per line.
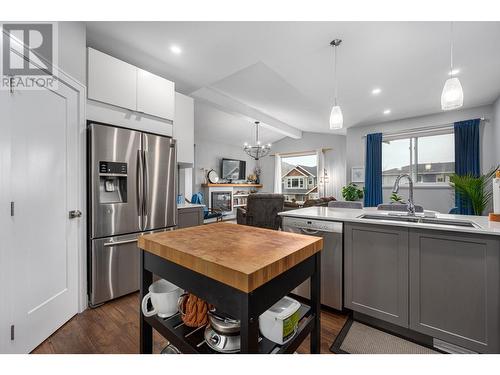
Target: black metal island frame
(242,271)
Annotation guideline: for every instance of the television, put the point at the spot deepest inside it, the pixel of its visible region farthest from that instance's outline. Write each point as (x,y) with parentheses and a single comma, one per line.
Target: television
(233,169)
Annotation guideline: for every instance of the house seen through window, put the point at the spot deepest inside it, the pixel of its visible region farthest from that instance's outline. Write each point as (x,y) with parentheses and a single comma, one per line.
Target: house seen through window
(427,159)
(299,177)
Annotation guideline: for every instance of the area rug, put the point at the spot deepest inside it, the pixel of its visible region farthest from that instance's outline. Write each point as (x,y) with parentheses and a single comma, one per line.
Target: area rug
(358,338)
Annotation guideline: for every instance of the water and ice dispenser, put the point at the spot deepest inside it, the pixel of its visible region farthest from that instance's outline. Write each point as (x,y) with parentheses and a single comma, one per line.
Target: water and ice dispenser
(112,182)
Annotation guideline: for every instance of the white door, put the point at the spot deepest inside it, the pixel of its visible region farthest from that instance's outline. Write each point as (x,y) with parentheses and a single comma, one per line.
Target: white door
(43,253)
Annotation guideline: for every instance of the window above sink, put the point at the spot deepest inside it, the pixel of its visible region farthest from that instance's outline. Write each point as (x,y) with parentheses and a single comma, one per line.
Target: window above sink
(429,159)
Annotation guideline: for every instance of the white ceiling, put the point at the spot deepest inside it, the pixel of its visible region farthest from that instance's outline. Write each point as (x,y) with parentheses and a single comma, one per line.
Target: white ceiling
(212,123)
(284,70)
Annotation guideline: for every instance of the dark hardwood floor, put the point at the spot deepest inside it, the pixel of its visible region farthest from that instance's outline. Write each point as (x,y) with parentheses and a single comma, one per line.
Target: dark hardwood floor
(114,329)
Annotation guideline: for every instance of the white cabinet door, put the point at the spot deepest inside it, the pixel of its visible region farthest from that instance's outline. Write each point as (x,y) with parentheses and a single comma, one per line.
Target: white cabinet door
(155,95)
(43,251)
(111,80)
(184,128)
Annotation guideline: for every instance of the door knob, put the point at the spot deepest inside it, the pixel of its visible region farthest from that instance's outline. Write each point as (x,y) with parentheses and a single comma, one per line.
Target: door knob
(74,214)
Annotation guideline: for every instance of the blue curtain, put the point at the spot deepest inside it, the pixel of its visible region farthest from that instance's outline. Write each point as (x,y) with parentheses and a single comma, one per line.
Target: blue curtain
(373,170)
(466,158)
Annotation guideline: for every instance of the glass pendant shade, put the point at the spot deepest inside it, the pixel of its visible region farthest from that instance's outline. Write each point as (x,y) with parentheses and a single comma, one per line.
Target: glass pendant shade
(452,96)
(336,118)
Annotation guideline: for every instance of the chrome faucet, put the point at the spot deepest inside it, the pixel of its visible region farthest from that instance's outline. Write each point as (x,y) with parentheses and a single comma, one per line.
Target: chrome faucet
(410,205)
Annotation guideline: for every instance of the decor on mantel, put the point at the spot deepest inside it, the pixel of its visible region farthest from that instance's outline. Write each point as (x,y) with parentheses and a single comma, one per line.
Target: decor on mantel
(213,177)
(336,117)
(257,172)
(452,96)
(258,150)
(252,178)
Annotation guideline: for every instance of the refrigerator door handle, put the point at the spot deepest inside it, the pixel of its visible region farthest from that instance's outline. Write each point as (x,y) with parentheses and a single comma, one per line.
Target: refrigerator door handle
(145,210)
(117,243)
(139,182)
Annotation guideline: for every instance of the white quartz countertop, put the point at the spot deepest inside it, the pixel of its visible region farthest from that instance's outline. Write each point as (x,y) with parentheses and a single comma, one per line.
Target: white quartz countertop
(188,205)
(483,225)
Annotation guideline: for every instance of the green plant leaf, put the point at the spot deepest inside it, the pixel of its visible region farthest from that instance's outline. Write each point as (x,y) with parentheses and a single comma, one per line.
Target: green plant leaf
(477,189)
(351,192)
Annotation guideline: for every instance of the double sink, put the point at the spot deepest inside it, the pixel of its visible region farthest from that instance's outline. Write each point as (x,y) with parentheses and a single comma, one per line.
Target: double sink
(420,219)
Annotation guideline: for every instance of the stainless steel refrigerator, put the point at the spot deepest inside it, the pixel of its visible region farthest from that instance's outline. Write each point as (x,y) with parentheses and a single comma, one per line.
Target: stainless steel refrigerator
(132,190)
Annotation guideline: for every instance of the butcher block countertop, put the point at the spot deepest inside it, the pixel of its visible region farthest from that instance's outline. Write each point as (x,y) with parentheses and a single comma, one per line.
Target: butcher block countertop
(240,256)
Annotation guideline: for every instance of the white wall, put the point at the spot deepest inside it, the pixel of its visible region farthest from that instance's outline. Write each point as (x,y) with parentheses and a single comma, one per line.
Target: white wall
(208,154)
(72,42)
(440,199)
(334,158)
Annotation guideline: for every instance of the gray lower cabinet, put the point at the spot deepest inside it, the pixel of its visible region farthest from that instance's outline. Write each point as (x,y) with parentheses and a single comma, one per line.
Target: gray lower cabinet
(189,217)
(455,288)
(376,271)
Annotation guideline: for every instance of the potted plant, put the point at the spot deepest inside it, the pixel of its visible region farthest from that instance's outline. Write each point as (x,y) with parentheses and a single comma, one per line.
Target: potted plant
(395,198)
(477,189)
(352,192)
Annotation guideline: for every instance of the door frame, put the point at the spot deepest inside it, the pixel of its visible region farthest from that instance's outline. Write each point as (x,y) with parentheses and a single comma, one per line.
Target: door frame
(80,184)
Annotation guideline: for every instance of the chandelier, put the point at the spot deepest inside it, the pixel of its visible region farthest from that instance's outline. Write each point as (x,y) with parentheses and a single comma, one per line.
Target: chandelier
(258,150)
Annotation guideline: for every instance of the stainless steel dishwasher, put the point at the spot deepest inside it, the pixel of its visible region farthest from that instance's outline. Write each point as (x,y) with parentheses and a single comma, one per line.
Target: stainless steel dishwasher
(331,257)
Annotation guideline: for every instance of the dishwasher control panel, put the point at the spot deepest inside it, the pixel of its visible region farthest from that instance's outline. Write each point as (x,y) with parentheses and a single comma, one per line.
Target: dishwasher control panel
(322,225)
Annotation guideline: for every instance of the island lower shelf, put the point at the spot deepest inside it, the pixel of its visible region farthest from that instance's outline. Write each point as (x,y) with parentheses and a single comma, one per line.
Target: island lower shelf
(191,340)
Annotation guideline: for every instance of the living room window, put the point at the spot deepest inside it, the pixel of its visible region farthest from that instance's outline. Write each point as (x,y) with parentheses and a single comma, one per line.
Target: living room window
(428,159)
(299,177)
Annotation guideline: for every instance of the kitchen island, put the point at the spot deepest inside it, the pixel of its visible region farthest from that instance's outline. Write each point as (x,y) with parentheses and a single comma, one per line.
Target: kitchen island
(242,271)
(435,280)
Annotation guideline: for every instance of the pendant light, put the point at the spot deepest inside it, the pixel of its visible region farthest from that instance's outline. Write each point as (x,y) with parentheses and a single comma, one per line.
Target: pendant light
(336,117)
(452,96)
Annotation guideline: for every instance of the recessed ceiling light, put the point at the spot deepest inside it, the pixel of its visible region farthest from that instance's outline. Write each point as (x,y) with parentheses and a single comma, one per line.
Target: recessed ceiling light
(376,91)
(454,72)
(176,49)
(387,111)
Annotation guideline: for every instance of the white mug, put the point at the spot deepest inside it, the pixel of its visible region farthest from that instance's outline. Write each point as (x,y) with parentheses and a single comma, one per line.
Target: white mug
(164,296)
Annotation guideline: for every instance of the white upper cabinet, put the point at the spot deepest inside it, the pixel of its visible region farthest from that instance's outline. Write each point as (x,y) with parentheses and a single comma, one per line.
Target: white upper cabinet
(116,82)
(184,128)
(111,80)
(155,95)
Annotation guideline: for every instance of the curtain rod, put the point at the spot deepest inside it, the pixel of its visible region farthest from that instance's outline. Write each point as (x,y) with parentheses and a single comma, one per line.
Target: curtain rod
(299,153)
(422,129)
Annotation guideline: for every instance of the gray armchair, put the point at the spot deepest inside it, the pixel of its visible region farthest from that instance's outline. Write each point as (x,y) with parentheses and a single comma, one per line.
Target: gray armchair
(261,211)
